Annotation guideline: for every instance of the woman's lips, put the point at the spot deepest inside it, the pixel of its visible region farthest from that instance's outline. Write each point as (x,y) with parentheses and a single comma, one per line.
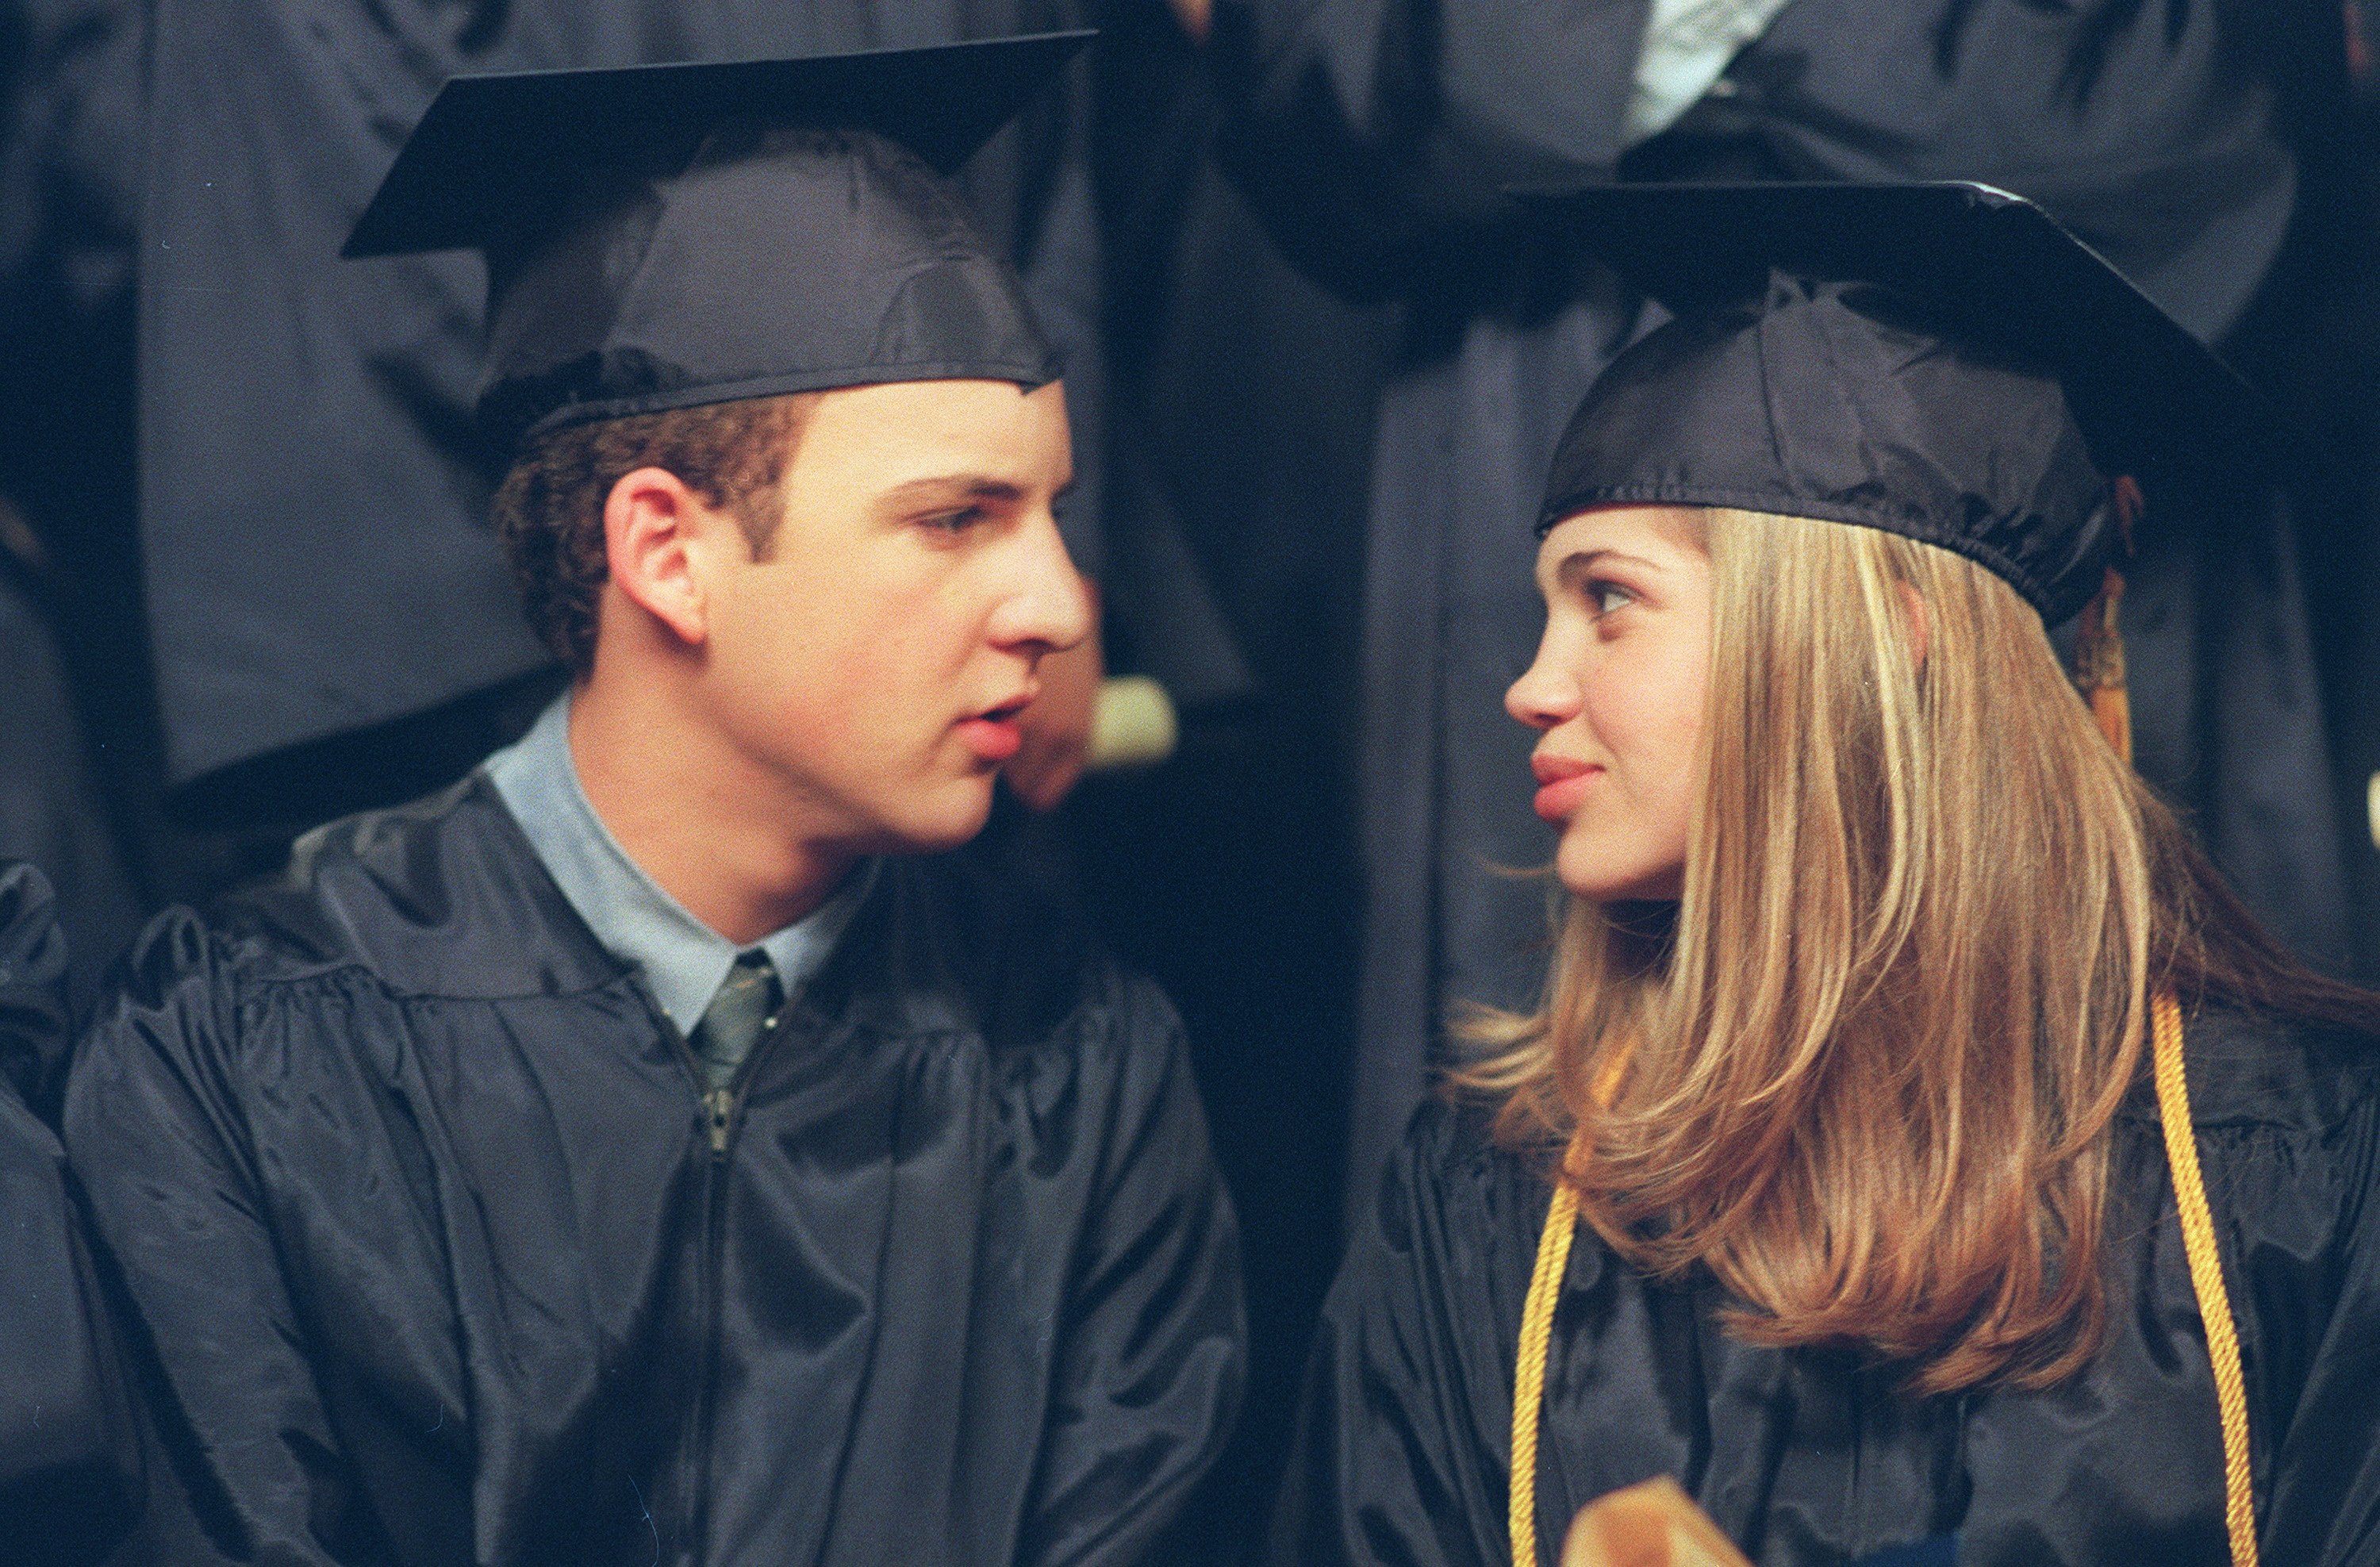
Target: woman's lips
(1565,786)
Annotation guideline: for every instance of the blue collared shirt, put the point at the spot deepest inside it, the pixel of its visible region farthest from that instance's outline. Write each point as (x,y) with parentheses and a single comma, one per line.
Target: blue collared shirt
(683,961)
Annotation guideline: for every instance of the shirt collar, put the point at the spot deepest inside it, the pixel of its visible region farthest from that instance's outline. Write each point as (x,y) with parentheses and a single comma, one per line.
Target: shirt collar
(683,961)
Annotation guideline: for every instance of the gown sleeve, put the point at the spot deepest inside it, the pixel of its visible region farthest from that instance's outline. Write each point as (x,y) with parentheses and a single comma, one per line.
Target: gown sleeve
(1403,1453)
(1153,1347)
(155,1132)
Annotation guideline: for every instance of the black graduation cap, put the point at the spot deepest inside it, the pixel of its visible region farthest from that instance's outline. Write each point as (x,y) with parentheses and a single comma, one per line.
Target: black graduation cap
(1940,360)
(661,237)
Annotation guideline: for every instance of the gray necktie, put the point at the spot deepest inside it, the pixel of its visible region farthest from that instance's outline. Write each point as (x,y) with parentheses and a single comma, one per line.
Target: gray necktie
(745,1008)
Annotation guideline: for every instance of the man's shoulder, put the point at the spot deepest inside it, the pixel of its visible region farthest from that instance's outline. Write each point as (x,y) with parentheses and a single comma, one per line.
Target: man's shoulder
(441,896)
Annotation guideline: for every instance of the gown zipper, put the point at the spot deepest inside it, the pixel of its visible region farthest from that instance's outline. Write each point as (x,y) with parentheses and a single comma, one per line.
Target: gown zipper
(721,1108)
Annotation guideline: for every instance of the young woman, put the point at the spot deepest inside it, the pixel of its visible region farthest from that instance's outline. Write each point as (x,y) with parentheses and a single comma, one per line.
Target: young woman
(1918,1147)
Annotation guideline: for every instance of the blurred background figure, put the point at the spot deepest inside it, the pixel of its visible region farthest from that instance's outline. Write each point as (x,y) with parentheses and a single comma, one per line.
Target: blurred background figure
(2345,393)
(70,640)
(69,1458)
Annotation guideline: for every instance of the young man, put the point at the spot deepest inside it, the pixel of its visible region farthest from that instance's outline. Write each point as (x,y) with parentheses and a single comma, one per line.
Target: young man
(613,1158)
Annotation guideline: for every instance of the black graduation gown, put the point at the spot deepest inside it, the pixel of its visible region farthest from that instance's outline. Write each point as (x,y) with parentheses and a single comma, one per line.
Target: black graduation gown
(68,1463)
(409,1181)
(1807,1457)
(318,562)
(1375,137)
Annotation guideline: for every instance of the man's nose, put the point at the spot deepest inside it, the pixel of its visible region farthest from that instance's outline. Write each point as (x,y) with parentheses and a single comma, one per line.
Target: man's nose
(1052,603)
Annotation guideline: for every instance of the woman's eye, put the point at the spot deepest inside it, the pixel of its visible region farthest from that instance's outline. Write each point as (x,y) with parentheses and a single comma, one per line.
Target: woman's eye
(1605,597)
(953,521)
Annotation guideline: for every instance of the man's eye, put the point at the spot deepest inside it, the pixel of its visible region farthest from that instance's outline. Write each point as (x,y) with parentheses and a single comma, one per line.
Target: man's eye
(957,521)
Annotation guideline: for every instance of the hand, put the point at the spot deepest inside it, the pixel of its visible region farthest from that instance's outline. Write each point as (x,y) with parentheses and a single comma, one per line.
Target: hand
(1058,725)
(1196,16)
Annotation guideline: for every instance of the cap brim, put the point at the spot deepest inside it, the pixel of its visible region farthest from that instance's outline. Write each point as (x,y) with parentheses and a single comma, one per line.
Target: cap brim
(1991,265)
(490,144)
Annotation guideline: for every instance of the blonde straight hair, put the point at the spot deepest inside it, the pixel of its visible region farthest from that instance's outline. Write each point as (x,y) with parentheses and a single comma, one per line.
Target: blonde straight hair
(1864,1075)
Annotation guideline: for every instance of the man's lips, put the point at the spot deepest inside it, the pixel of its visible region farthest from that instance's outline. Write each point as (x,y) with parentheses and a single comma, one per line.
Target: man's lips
(995,734)
(1562,784)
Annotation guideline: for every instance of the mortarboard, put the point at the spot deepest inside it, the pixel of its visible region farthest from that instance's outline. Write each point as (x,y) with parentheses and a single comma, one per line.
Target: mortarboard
(664,237)
(1940,360)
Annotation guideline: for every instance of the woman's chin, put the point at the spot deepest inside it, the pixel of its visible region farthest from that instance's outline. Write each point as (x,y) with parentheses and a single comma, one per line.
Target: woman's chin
(1612,880)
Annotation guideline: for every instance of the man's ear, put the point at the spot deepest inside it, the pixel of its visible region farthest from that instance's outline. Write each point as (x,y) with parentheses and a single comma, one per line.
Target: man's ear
(652,524)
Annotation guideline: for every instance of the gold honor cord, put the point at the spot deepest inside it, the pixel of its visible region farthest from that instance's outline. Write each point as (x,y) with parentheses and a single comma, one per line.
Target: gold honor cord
(2206,1281)
(1529,1377)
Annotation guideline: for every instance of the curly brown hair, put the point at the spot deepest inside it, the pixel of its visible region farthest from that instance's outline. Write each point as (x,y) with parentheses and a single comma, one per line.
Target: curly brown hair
(549,510)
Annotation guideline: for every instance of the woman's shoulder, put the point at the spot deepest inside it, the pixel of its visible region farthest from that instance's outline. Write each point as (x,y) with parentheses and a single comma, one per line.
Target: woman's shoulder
(1453,1175)
(1450,1142)
(1442,1253)
(2249,1068)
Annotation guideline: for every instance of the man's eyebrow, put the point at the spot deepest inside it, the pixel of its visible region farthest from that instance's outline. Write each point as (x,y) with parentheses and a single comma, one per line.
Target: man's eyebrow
(953,487)
(944,488)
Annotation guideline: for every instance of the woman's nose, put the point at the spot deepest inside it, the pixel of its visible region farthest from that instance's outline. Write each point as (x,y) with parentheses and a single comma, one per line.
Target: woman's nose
(1544,697)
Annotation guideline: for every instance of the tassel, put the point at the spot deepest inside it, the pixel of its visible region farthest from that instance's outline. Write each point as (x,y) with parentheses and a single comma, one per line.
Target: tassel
(2099,663)
(2099,644)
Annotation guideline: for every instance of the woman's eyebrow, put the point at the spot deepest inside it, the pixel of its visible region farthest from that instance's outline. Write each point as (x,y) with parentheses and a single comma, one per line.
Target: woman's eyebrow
(1576,563)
